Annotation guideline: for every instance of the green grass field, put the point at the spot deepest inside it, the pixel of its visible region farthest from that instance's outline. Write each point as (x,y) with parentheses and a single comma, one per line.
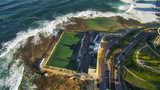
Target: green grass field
(66,51)
(150,58)
(138,83)
(103,24)
(142,72)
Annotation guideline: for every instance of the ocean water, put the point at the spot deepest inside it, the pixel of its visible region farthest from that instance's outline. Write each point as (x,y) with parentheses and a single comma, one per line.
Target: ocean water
(20,19)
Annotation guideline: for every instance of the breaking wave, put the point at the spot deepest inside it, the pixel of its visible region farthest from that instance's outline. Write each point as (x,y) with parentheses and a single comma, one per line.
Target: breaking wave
(12,70)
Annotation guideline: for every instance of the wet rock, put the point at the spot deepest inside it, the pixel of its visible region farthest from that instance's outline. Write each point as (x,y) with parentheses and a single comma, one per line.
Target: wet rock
(30,52)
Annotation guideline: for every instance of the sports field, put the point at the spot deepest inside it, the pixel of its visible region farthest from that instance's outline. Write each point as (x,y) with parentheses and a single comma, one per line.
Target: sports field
(66,51)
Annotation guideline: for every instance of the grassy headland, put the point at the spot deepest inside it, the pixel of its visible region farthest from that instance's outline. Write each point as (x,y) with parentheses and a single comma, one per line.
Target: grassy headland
(142,72)
(137,82)
(31,52)
(111,24)
(103,24)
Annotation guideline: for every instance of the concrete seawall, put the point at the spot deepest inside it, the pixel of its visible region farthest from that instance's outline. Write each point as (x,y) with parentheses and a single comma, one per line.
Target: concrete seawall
(57,70)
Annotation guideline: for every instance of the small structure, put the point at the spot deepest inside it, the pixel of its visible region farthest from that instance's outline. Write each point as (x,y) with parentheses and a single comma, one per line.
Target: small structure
(96,47)
(96,42)
(37,63)
(92,72)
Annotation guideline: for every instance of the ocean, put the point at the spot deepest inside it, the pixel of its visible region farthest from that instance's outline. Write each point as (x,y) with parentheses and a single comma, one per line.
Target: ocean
(21,19)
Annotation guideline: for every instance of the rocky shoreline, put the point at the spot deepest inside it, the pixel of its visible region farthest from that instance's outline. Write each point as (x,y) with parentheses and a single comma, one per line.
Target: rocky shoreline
(30,52)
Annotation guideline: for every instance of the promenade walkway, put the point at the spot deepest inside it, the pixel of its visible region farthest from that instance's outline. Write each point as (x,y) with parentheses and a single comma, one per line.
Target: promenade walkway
(152,49)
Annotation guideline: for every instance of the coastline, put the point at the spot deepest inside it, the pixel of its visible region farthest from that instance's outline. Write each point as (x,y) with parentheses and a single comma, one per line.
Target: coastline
(37,51)
(32,44)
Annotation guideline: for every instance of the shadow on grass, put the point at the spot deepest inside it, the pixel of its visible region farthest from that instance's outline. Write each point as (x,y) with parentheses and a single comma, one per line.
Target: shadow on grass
(73,64)
(143,59)
(157,83)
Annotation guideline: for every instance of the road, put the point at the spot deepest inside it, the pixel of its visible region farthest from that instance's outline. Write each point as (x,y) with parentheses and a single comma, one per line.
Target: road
(114,81)
(102,73)
(142,63)
(114,75)
(116,78)
(125,50)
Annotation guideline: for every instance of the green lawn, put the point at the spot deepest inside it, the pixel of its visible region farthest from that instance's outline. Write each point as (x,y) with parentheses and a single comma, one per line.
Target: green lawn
(138,83)
(66,51)
(150,58)
(103,24)
(142,72)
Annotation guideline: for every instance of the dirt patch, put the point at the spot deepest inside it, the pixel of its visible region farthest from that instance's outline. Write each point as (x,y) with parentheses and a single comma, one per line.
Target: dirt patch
(79,24)
(130,23)
(31,52)
(54,82)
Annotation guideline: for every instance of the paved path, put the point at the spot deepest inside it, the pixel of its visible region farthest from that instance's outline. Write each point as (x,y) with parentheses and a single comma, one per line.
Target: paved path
(139,77)
(135,75)
(152,49)
(142,63)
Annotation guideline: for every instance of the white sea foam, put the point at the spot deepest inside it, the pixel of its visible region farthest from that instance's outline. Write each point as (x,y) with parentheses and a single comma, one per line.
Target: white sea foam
(142,16)
(49,28)
(142,12)
(15,76)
